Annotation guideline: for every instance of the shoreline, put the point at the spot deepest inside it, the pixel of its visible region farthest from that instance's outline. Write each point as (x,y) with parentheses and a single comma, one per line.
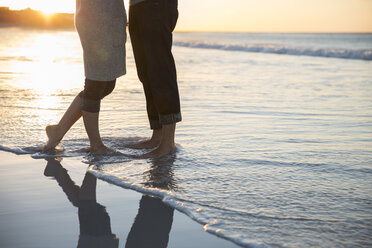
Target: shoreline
(38,208)
(72,28)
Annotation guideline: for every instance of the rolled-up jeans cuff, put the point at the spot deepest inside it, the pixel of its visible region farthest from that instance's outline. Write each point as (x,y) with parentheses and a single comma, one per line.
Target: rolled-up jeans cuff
(155,124)
(170,118)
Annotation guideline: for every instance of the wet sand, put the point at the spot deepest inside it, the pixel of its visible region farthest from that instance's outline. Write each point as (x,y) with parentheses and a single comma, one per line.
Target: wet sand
(57,204)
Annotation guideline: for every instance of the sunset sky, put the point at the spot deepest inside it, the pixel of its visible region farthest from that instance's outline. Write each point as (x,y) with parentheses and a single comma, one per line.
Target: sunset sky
(250,15)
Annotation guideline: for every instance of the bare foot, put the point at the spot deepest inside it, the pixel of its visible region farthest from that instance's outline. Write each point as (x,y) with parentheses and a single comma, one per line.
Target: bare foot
(153,142)
(84,150)
(54,137)
(162,150)
(145,144)
(102,150)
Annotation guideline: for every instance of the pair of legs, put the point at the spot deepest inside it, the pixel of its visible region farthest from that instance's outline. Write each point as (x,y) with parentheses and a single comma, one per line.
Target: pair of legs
(95,224)
(87,104)
(151,27)
(151,226)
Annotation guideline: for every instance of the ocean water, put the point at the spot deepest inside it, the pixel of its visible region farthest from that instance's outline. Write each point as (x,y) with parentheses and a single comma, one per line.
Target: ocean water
(275,147)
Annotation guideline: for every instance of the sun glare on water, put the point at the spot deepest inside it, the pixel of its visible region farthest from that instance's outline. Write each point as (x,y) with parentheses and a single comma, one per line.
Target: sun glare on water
(47,63)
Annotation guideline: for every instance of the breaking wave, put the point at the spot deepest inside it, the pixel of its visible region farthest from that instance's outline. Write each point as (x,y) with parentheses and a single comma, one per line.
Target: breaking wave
(362,54)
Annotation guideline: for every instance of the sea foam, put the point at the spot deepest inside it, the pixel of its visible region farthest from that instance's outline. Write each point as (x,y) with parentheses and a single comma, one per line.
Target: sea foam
(189,208)
(361,54)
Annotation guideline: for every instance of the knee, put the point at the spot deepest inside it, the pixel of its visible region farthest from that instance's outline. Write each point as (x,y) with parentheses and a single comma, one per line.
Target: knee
(94,92)
(110,86)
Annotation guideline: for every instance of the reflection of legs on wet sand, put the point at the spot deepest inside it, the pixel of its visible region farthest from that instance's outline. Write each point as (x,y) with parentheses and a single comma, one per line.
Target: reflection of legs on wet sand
(88,188)
(55,169)
(95,226)
(152,224)
(154,220)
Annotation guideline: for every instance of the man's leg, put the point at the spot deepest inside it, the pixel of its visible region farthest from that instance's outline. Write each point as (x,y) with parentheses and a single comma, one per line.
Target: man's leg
(167,145)
(159,20)
(136,35)
(155,126)
(152,142)
(152,224)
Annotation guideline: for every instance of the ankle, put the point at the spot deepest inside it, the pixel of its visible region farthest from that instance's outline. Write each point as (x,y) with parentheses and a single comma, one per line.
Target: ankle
(54,131)
(157,135)
(167,142)
(168,134)
(96,146)
(60,130)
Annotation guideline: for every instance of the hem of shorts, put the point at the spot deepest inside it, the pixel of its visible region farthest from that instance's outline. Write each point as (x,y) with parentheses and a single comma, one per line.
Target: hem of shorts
(105,79)
(91,106)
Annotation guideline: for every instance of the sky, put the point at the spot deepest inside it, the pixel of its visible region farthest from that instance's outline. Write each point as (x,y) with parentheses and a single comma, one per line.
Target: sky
(250,15)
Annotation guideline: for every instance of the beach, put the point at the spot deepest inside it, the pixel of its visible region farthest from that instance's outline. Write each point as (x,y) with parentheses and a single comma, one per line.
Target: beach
(36,212)
(274,150)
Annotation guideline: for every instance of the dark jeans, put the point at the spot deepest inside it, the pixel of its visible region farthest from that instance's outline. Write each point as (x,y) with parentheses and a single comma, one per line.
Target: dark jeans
(151,24)
(152,224)
(93,93)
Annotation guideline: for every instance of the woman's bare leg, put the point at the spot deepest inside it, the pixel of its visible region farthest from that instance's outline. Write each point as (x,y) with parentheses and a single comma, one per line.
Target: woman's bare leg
(55,133)
(92,129)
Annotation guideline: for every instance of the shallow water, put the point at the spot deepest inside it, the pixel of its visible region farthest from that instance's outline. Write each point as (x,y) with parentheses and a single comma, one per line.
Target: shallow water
(275,150)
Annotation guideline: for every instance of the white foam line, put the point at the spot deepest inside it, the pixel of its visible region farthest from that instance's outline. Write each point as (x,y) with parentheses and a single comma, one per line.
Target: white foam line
(171,200)
(362,54)
(14,150)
